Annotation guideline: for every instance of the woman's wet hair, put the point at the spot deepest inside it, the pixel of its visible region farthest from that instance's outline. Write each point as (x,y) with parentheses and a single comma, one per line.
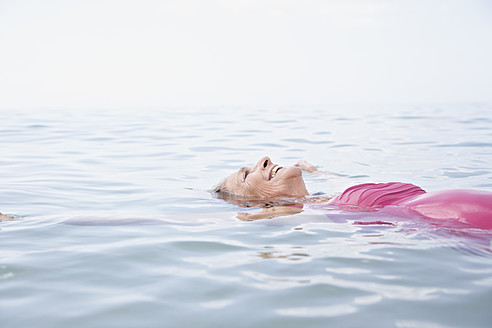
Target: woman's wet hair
(218,188)
(220,192)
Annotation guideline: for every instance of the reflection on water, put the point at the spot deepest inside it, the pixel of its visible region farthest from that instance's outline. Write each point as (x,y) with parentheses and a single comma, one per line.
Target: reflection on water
(277,254)
(115,225)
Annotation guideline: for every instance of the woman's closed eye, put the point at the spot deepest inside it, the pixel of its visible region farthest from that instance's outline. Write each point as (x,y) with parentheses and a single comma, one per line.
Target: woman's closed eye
(245,174)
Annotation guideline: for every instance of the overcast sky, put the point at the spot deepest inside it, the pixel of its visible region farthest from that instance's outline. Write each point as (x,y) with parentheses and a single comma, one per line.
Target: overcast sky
(114,53)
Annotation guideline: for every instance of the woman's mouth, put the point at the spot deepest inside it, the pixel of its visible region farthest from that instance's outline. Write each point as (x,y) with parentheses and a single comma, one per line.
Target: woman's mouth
(274,171)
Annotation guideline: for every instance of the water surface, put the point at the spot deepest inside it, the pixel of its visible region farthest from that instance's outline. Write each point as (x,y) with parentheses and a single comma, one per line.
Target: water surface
(116,227)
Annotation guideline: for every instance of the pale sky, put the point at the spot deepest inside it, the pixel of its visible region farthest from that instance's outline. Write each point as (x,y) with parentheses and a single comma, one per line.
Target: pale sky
(116,53)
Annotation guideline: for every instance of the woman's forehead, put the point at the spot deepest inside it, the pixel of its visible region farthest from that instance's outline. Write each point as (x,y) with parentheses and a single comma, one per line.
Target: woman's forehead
(235,178)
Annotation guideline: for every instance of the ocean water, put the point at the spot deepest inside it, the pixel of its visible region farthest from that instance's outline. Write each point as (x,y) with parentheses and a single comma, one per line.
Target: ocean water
(114,225)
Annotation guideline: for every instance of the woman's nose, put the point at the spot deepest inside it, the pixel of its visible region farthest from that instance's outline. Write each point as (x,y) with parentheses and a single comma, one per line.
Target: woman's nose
(264,162)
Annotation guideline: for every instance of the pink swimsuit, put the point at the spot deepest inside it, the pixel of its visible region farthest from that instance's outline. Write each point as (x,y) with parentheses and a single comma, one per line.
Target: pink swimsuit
(468,206)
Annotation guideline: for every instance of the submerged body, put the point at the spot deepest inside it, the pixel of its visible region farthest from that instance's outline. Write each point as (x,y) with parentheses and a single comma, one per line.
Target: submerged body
(468,206)
(266,180)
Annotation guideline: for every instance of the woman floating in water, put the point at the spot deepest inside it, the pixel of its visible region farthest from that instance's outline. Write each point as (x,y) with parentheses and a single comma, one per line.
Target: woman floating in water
(269,180)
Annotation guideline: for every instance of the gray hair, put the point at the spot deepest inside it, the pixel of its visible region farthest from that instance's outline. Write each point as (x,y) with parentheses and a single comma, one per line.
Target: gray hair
(219,188)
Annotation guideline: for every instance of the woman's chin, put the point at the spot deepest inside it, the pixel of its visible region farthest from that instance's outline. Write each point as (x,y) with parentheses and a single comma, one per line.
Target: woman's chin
(291,182)
(290,173)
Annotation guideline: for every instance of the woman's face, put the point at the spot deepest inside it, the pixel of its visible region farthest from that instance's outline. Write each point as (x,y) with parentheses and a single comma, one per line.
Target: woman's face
(266,179)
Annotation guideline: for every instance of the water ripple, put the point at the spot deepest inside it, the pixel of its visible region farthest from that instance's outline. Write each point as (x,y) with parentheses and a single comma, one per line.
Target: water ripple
(467,144)
(114,207)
